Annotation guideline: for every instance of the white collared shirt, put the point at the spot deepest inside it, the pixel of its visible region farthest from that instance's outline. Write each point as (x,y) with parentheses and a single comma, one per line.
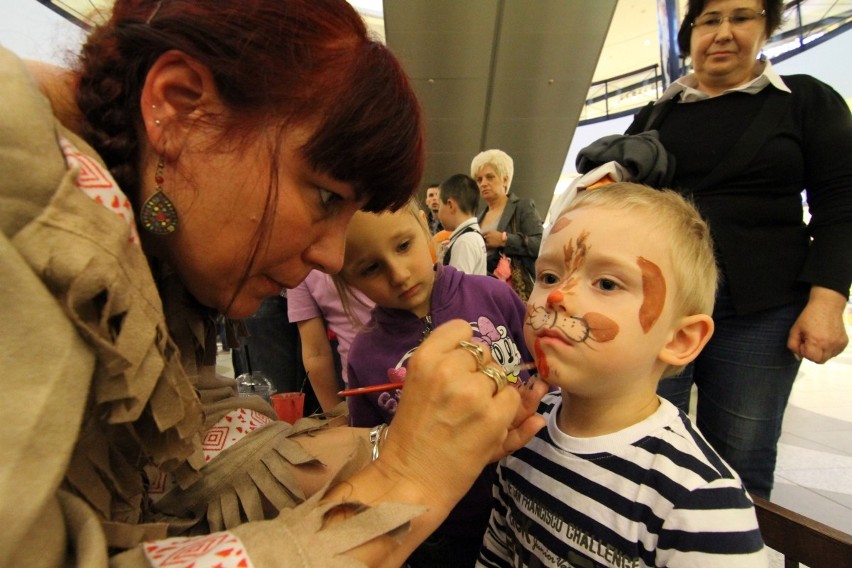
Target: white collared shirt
(688,85)
(469,253)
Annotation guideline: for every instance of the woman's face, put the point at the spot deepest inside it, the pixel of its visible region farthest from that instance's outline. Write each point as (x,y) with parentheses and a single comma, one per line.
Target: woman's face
(221,196)
(491,185)
(724,57)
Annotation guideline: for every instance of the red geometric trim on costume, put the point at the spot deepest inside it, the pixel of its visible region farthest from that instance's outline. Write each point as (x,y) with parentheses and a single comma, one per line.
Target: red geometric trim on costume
(230,429)
(98,183)
(217,550)
(215,438)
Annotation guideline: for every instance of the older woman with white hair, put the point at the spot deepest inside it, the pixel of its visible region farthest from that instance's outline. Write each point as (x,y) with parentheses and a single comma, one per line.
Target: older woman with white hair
(511,226)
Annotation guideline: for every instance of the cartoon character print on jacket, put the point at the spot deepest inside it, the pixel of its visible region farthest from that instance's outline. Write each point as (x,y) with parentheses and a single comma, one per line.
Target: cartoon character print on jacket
(504,350)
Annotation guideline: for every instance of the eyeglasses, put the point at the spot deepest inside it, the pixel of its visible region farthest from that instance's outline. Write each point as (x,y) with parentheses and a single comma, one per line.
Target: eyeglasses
(738,19)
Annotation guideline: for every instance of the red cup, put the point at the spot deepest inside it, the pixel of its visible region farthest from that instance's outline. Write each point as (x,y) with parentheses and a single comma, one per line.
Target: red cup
(290,406)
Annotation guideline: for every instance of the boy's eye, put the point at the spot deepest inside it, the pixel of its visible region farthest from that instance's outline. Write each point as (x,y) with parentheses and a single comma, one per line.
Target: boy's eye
(548,278)
(607,285)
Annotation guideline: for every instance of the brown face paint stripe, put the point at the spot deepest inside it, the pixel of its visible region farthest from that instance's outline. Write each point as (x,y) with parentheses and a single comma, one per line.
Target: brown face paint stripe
(560,224)
(654,290)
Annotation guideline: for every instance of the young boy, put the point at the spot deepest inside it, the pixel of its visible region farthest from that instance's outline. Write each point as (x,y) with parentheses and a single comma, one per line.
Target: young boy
(465,249)
(620,477)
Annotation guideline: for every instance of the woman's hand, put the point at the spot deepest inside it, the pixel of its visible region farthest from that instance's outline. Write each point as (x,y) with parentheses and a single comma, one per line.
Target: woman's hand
(450,423)
(493,239)
(819,332)
(526,422)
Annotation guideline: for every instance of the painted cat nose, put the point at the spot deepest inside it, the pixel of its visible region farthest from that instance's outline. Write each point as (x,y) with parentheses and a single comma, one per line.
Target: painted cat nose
(555,297)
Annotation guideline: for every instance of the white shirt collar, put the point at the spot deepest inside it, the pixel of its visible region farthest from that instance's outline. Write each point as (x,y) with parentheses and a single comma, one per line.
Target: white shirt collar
(465,225)
(688,85)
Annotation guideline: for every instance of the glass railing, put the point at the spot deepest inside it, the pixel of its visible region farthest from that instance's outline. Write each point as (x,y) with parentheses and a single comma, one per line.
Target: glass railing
(806,24)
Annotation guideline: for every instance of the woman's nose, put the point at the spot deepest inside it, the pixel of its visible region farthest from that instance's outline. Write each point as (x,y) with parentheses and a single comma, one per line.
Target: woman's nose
(723,32)
(327,250)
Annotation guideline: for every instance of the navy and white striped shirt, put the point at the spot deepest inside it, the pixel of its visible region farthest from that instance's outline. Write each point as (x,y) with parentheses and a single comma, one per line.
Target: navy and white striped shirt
(653,494)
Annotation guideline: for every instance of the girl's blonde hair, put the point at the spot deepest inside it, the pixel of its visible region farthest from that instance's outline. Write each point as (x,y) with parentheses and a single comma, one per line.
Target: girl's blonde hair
(344,290)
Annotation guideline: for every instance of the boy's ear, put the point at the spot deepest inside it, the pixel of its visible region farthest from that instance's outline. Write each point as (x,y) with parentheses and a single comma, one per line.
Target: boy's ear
(689,338)
(177,90)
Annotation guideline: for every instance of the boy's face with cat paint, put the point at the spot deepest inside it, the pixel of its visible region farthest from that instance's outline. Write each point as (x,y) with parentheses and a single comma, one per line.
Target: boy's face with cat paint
(601,310)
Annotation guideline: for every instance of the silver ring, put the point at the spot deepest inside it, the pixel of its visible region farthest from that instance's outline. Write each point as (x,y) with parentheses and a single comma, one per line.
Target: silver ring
(496,375)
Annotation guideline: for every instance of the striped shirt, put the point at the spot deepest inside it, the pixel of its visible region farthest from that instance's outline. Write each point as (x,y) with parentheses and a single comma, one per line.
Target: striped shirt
(653,494)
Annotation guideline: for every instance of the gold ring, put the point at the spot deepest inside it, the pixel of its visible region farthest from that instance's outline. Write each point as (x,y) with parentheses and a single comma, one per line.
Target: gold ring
(474,349)
(493,373)
(496,375)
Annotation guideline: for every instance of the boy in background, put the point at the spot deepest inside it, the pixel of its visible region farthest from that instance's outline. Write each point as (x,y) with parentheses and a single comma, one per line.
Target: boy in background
(465,248)
(620,477)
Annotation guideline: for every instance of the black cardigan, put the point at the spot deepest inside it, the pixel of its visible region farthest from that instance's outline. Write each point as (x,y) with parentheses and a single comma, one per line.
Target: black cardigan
(767,255)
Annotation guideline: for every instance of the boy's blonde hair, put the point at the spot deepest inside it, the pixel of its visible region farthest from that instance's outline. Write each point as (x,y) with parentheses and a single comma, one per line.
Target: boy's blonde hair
(344,290)
(693,260)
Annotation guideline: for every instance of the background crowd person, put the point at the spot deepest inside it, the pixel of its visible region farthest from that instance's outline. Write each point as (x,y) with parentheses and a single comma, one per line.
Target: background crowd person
(160,184)
(433,202)
(511,226)
(316,308)
(465,247)
(270,346)
(387,259)
(746,142)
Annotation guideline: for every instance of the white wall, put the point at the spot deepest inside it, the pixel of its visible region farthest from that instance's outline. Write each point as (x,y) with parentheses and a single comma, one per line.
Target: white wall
(35,32)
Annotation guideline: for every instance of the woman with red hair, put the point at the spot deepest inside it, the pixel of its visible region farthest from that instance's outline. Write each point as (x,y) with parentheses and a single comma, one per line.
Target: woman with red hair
(203,156)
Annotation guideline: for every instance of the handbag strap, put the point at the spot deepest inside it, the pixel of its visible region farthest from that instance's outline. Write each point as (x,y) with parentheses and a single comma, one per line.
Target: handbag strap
(447,255)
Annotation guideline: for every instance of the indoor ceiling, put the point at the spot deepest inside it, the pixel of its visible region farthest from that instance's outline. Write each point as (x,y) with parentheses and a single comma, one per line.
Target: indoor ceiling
(511,74)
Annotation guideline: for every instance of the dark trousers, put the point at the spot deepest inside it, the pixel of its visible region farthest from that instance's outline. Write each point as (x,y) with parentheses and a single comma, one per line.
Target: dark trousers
(743,377)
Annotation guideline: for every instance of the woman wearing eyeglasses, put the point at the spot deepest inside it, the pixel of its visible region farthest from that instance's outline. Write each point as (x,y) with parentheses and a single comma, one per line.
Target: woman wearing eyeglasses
(747,142)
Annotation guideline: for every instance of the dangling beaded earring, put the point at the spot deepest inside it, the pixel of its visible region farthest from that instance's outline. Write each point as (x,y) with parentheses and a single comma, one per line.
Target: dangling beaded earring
(159,215)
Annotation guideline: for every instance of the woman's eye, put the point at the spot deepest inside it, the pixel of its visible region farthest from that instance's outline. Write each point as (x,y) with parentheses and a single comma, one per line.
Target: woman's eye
(328,198)
(607,285)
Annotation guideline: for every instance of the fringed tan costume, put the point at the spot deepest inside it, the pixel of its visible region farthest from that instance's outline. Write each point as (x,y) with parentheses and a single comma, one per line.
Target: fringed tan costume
(102,398)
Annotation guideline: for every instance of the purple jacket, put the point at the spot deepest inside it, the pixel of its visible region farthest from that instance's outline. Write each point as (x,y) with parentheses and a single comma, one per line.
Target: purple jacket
(380,353)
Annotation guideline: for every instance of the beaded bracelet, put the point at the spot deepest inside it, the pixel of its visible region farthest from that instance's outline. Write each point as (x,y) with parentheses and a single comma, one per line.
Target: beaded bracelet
(377,436)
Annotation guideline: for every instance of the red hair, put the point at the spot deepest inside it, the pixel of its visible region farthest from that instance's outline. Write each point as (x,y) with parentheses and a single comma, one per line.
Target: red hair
(274,61)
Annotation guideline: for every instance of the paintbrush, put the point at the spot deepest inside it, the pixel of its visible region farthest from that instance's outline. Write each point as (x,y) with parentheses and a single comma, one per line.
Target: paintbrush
(393,386)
